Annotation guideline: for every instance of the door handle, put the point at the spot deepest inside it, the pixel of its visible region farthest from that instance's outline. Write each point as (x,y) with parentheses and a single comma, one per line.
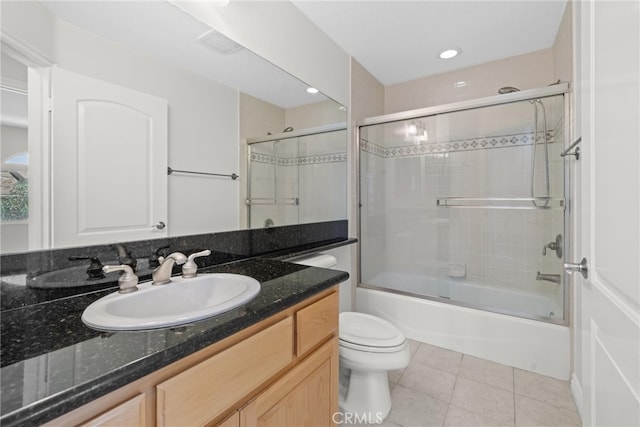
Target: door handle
(581,268)
(159,226)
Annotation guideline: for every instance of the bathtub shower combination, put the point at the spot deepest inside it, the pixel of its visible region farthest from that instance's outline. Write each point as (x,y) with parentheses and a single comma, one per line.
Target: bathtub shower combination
(297,176)
(463,222)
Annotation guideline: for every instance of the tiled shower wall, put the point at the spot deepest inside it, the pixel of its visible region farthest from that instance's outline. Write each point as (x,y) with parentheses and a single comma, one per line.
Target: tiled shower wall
(310,168)
(466,155)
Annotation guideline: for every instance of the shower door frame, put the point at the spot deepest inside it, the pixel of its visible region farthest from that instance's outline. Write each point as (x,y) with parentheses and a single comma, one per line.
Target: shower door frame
(334,127)
(490,101)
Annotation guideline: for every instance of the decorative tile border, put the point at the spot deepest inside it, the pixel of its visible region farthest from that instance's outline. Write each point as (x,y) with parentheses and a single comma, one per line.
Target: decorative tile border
(481,143)
(304,160)
(263,158)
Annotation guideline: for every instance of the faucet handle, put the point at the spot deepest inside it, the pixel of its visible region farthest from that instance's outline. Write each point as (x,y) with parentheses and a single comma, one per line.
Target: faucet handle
(125,257)
(190,268)
(128,281)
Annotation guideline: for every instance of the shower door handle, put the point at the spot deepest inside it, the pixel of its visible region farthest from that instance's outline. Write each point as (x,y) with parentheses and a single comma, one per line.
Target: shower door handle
(581,268)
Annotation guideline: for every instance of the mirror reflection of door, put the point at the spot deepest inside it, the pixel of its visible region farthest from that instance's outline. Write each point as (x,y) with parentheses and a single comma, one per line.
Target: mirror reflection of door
(116,186)
(109,151)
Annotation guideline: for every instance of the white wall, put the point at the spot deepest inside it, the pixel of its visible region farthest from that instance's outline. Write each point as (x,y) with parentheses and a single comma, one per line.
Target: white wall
(525,71)
(203,115)
(314,115)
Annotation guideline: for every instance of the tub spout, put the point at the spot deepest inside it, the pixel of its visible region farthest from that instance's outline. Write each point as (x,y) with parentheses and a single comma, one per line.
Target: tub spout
(555,278)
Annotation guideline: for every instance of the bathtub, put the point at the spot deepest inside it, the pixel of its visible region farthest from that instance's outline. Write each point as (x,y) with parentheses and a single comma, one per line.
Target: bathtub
(523,343)
(462,291)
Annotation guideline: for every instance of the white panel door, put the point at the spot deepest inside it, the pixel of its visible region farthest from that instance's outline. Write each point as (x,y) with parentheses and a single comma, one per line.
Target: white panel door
(109,162)
(608,302)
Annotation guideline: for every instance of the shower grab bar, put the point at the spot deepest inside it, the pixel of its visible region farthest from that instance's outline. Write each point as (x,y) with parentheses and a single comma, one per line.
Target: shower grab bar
(233,176)
(467,202)
(576,153)
(294,201)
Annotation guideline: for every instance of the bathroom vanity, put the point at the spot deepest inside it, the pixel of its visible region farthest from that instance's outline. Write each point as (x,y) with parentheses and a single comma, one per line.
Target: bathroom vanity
(270,360)
(267,358)
(281,370)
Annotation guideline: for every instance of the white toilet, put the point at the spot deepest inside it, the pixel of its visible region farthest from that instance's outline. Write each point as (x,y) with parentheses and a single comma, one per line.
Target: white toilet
(369,347)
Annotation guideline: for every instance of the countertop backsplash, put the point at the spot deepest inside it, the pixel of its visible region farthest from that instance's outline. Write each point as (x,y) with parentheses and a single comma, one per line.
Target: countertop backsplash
(19,271)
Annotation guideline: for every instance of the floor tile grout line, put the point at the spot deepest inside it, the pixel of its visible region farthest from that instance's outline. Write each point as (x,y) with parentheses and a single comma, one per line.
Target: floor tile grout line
(546,402)
(458,375)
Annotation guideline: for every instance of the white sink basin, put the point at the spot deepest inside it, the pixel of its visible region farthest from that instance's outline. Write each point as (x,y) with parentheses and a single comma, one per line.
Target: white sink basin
(176,303)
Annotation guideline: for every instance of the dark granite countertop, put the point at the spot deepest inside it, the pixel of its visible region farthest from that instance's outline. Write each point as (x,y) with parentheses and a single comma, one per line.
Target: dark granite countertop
(53,363)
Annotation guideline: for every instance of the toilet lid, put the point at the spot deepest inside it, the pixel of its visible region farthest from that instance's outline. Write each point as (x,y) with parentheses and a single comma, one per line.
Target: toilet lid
(370,331)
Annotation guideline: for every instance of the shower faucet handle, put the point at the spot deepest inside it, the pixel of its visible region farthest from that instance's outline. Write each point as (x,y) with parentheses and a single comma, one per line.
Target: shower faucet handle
(554,246)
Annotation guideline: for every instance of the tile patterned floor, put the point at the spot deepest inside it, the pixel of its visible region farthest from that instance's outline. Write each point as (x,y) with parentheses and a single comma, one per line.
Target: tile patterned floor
(444,388)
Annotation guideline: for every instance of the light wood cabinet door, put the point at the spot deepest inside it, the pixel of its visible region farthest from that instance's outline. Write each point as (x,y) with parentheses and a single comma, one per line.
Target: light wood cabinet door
(128,414)
(198,395)
(232,421)
(304,397)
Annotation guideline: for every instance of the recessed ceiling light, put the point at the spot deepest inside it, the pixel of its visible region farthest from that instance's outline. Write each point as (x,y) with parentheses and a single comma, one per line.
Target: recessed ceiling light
(312,90)
(449,53)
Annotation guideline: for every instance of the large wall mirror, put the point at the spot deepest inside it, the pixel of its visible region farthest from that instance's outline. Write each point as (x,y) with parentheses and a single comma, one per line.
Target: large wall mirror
(101,98)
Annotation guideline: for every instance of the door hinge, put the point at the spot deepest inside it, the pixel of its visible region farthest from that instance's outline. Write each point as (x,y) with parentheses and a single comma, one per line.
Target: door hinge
(49,104)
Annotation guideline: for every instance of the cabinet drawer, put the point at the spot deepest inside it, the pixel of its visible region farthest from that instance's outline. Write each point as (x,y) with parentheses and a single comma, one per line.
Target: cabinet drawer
(199,394)
(128,414)
(316,322)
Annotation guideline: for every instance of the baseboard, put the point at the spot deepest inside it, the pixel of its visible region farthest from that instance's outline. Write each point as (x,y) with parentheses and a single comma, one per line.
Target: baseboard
(576,391)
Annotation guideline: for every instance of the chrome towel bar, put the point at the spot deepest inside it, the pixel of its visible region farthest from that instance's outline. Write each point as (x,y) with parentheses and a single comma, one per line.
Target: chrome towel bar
(233,176)
(271,201)
(500,202)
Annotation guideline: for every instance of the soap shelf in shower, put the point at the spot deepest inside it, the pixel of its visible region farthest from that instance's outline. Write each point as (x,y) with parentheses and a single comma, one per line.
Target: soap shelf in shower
(521,203)
(271,201)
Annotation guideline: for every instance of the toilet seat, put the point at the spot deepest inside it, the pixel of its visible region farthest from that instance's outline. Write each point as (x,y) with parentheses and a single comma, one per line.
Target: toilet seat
(364,332)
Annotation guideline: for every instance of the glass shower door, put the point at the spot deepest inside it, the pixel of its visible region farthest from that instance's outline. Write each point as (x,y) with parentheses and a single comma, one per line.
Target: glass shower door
(273,183)
(465,207)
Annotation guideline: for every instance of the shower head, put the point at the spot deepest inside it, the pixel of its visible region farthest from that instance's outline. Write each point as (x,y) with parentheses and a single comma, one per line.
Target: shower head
(508,89)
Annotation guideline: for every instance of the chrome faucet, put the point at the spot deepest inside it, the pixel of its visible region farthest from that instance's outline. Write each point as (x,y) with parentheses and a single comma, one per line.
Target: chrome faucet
(555,278)
(162,274)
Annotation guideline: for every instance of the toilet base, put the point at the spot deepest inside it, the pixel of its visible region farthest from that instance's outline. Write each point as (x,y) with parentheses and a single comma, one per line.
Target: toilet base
(366,395)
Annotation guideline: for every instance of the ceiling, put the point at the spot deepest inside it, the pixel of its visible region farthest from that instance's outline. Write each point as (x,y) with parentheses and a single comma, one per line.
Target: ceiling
(395,40)
(399,41)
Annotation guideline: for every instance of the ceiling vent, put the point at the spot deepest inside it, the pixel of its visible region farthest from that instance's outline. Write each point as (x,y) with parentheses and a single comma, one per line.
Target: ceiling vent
(219,43)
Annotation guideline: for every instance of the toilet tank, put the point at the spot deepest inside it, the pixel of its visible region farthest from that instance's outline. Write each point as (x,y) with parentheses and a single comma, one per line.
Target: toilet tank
(336,259)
